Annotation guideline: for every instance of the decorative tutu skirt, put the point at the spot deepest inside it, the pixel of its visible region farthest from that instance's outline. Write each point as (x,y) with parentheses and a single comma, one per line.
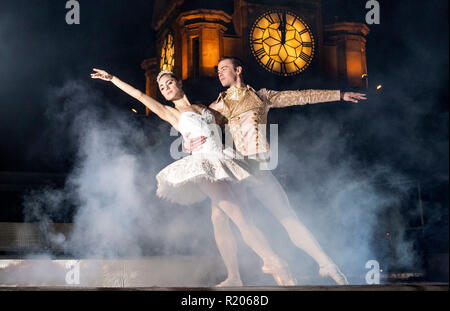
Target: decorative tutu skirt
(178,182)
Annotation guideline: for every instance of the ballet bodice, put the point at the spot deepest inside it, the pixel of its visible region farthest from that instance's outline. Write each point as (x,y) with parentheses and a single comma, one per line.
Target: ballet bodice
(201,125)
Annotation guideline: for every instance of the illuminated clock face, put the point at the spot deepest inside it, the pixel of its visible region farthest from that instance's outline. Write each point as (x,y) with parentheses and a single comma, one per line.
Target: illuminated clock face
(282,42)
(167,54)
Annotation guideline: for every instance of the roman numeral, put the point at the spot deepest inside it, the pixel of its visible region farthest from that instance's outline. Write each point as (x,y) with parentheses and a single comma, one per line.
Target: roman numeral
(307,44)
(270,63)
(269,18)
(293,22)
(260,53)
(304,56)
(303,31)
(279,16)
(283,68)
(256,41)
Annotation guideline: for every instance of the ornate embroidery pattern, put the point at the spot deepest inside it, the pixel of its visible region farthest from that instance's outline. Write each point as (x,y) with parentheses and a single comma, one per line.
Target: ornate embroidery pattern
(304,97)
(253,107)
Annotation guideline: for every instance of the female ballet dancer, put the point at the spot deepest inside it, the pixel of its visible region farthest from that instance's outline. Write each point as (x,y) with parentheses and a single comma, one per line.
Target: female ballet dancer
(205,173)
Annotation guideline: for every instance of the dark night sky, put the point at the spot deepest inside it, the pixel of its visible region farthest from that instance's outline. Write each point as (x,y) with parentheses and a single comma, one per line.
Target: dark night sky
(407,52)
(40,51)
(404,127)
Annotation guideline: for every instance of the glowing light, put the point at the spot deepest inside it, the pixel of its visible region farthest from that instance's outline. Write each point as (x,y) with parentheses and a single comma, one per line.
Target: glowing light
(387,233)
(379,86)
(134,110)
(364,75)
(167,54)
(284,52)
(381,270)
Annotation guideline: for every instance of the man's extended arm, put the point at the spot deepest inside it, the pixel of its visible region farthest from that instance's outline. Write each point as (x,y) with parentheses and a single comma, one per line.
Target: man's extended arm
(279,99)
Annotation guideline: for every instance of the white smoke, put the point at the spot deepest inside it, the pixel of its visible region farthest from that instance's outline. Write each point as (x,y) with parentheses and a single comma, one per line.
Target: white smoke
(117,214)
(111,189)
(343,202)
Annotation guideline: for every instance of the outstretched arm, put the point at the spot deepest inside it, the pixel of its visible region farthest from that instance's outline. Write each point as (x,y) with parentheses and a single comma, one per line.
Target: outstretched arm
(164,112)
(279,99)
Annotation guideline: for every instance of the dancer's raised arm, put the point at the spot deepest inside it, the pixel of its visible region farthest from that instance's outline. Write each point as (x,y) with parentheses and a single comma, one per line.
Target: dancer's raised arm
(166,113)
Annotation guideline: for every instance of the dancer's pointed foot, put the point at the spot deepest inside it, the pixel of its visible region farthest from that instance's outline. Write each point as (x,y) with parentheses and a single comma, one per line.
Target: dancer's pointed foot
(230,282)
(333,272)
(280,272)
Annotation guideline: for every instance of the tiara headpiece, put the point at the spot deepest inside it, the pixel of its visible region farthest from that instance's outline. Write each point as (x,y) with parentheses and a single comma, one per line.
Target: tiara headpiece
(162,73)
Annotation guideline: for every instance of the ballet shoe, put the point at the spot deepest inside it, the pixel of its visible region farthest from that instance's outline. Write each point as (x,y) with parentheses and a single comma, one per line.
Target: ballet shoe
(230,282)
(280,272)
(333,272)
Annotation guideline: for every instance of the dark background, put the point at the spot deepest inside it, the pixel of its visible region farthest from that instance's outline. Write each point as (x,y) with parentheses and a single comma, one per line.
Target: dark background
(407,53)
(40,51)
(404,125)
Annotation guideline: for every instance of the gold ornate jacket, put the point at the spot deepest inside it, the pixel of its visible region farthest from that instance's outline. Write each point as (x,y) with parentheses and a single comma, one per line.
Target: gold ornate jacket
(245,111)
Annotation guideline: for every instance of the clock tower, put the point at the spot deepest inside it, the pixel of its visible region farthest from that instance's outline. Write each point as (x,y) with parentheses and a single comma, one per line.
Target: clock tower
(284,44)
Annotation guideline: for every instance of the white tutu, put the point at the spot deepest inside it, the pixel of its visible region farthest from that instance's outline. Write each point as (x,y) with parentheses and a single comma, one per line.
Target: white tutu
(177,182)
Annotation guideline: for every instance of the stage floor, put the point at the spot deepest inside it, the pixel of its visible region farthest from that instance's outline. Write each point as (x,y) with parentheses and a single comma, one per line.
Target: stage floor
(381,287)
(160,273)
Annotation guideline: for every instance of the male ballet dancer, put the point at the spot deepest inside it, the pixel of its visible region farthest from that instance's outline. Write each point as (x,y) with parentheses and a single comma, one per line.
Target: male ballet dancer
(244,110)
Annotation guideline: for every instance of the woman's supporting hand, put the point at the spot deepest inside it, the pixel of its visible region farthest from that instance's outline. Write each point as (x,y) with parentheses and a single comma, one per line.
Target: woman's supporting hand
(101,74)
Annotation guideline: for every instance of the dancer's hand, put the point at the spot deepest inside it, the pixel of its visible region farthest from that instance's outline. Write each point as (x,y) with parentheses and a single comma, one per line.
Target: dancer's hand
(353,97)
(101,74)
(193,144)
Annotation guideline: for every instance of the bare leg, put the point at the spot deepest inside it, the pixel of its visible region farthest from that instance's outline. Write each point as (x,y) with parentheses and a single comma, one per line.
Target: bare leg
(223,197)
(227,246)
(272,196)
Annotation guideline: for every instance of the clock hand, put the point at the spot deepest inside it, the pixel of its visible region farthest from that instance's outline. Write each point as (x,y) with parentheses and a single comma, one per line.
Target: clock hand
(283,28)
